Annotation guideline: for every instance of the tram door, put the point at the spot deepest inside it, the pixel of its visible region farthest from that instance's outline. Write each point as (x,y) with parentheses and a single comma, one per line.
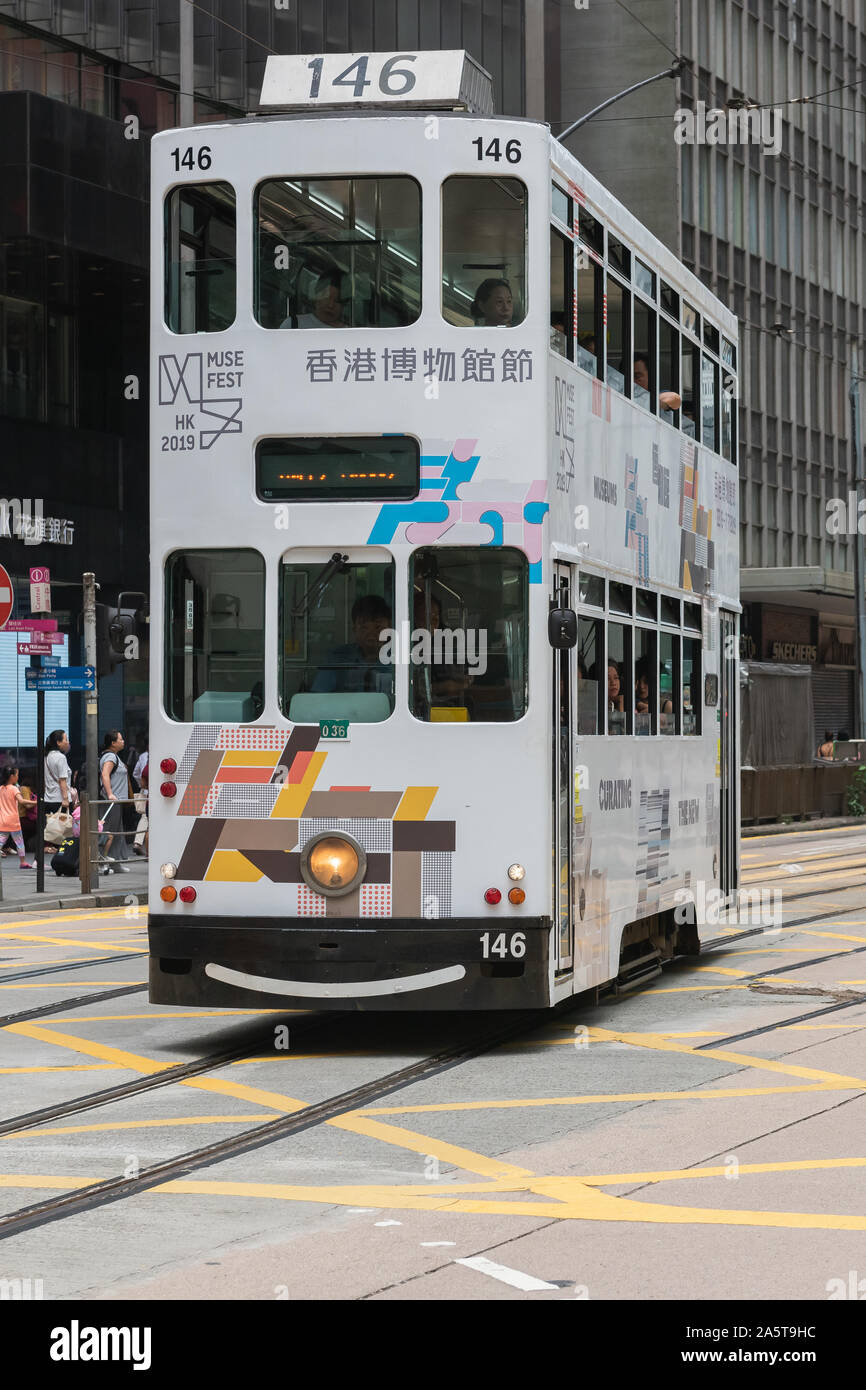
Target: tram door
(729,808)
(563,724)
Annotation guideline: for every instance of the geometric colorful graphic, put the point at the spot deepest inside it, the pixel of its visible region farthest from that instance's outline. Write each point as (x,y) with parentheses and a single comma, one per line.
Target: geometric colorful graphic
(697,551)
(253,800)
(516,519)
(636,520)
(654,837)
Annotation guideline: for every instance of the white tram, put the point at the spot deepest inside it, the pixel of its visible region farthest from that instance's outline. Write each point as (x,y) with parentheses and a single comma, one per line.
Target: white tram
(444,545)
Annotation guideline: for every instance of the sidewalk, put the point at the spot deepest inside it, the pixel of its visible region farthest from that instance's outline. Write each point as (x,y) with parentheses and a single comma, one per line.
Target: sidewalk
(114,890)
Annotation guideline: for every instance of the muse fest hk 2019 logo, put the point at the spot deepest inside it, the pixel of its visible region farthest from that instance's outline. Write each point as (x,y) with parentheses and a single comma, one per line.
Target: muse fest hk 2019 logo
(201,386)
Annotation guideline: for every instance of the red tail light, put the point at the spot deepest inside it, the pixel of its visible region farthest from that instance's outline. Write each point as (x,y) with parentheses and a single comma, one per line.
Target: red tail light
(493,896)
(187,895)
(168,766)
(168,789)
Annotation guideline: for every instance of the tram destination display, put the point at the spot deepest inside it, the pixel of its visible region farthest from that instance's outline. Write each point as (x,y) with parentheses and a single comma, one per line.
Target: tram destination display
(355,468)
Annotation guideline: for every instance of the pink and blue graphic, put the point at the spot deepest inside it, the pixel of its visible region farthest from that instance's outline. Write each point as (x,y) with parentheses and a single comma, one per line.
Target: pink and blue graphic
(516,520)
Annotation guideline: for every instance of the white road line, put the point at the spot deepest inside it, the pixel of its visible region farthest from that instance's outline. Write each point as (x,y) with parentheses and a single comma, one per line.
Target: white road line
(387,1223)
(431,1244)
(514,1277)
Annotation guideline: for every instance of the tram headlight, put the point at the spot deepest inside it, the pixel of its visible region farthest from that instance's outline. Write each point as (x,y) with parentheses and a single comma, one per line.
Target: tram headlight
(516,872)
(168,870)
(333,865)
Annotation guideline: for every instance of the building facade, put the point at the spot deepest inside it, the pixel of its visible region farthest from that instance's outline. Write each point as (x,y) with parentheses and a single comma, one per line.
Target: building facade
(772,226)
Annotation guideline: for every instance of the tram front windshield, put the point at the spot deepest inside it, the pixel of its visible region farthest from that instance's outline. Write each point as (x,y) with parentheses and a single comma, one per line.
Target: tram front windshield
(465,647)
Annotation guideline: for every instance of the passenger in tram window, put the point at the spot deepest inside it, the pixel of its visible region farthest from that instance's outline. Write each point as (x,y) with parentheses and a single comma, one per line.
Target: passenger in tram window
(615,698)
(448,684)
(327,305)
(669,400)
(358,665)
(493,305)
(641,688)
(557,332)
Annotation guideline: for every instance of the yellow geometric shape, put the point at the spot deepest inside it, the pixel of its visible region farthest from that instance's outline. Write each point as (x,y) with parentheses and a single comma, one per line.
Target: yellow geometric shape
(687,576)
(243,757)
(415,803)
(230,866)
(449,714)
(294,796)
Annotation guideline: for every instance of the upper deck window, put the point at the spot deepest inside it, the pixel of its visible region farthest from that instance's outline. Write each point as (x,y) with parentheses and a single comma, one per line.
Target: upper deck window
(338,253)
(590,230)
(618,255)
(483,251)
(200,258)
(644,279)
(561,294)
(560,205)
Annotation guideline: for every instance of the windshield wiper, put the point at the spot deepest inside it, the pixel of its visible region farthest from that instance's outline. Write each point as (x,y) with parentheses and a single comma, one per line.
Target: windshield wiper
(338,564)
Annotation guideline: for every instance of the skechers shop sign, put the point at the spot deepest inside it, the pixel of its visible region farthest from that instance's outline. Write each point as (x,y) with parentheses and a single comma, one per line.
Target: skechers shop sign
(614,794)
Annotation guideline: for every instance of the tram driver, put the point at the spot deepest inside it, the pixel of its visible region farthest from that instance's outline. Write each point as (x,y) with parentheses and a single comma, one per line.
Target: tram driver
(358,665)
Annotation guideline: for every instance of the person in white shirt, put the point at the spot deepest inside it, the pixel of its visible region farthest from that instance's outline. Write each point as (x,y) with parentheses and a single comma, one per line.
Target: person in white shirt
(327,306)
(57,772)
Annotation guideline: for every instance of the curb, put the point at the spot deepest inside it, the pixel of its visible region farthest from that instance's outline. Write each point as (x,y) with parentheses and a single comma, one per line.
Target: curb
(83,900)
(816,823)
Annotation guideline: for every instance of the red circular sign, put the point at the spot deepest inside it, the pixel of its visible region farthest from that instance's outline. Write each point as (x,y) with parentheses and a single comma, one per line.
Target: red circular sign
(6,597)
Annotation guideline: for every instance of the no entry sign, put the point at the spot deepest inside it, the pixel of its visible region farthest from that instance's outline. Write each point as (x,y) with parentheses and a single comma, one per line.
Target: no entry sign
(6,597)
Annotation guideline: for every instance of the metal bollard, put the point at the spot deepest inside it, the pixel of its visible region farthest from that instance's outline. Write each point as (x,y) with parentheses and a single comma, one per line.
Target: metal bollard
(84,847)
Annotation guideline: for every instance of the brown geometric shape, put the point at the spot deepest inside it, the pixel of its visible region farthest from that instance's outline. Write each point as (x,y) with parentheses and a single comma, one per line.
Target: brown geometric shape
(378,868)
(258,833)
(406,885)
(345,805)
(199,848)
(349,906)
(424,834)
(276,865)
(301,740)
(201,780)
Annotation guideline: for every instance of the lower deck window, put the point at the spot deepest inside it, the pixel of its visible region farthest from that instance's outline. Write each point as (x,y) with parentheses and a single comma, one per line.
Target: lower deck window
(335,621)
(214,634)
(469,645)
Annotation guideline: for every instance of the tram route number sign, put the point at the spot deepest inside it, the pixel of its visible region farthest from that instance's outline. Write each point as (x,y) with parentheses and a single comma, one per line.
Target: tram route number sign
(375,79)
(334,730)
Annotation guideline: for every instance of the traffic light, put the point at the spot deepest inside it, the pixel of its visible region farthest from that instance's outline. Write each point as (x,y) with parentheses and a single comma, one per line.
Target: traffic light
(121,631)
(106,657)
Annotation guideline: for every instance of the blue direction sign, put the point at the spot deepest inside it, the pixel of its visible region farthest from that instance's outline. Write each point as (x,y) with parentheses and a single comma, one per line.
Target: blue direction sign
(60,678)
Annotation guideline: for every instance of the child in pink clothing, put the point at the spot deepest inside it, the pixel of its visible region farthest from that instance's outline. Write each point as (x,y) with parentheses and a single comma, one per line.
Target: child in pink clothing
(10,822)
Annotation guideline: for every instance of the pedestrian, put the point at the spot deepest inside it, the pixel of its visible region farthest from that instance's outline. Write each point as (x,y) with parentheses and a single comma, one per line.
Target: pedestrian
(140,780)
(11,797)
(825,750)
(58,778)
(115,786)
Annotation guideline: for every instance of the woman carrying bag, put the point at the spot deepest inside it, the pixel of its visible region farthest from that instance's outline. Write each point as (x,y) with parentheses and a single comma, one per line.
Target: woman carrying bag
(115,787)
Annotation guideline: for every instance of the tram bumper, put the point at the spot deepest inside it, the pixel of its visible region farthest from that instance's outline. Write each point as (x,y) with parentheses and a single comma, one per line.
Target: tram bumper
(407,965)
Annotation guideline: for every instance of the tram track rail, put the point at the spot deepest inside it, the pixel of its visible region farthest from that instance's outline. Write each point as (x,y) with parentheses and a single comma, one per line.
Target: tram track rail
(267,1132)
(270,1131)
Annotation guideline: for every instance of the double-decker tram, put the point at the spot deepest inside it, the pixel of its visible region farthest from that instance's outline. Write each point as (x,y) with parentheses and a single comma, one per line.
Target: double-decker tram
(444,547)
